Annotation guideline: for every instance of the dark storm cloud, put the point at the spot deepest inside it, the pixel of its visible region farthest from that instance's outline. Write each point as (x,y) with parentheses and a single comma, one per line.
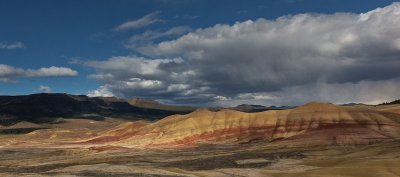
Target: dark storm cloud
(265,61)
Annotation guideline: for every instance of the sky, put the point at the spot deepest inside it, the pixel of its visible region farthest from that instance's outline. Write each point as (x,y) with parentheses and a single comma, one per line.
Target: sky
(203,52)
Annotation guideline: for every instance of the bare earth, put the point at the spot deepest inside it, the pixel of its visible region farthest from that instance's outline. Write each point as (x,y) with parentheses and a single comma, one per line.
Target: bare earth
(315,140)
(382,159)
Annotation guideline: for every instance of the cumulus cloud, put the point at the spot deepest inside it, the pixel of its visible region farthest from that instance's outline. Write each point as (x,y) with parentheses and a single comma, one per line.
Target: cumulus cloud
(12,45)
(139,23)
(341,57)
(127,67)
(103,91)
(50,72)
(8,73)
(122,75)
(45,89)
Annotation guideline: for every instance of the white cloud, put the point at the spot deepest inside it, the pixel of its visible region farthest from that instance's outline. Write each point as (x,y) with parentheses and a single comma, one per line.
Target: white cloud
(101,92)
(271,61)
(129,66)
(149,36)
(45,89)
(117,88)
(51,72)
(7,73)
(12,45)
(255,96)
(177,87)
(139,23)
(221,98)
(135,83)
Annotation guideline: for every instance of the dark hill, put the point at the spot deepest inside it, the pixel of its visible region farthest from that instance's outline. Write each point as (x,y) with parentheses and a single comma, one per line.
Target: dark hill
(152,104)
(258,108)
(393,102)
(48,107)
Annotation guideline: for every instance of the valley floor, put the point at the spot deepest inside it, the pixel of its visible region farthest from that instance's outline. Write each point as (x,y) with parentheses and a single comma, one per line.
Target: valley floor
(375,160)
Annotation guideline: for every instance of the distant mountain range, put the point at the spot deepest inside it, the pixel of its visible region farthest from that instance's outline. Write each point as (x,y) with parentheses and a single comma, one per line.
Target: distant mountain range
(152,104)
(48,108)
(44,108)
(258,108)
(41,108)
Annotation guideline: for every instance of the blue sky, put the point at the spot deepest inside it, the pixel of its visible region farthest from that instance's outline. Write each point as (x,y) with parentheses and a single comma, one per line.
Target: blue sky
(70,33)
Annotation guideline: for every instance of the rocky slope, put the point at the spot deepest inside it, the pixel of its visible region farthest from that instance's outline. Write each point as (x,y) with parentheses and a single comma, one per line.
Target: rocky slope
(312,123)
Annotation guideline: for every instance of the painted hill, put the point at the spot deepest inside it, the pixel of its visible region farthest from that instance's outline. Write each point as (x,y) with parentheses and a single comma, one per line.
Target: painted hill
(393,108)
(312,123)
(46,107)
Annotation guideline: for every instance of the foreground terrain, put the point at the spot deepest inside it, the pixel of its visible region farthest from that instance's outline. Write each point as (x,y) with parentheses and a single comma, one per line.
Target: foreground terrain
(382,159)
(315,139)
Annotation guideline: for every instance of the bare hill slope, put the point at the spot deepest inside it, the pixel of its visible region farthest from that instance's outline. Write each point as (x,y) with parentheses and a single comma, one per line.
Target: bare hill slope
(312,123)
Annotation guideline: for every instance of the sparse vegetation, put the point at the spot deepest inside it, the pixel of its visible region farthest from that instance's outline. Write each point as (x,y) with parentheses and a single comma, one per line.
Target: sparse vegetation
(393,102)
